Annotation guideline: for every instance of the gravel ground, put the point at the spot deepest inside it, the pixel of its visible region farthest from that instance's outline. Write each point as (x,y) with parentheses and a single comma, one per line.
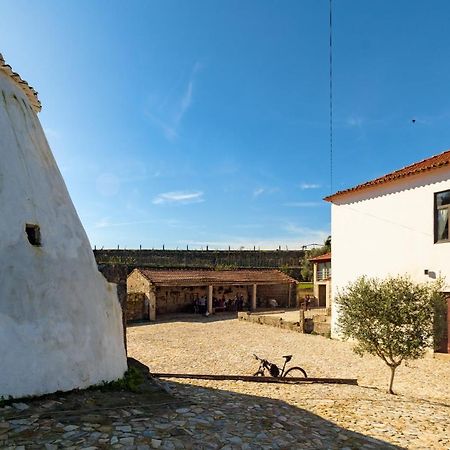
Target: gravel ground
(418,417)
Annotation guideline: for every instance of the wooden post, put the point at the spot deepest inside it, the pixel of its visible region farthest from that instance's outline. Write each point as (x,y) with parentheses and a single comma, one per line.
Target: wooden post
(301,320)
(254,298)
(210,301)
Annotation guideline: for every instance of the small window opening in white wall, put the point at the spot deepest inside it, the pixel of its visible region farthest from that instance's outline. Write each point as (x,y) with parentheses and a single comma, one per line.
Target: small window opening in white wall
(34,234)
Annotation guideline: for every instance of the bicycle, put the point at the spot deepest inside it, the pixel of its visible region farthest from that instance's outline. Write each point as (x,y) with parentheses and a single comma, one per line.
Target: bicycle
(274,370)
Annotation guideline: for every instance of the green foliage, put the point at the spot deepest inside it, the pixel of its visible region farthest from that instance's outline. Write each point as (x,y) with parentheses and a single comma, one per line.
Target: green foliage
(131,381)
(393,318)
(306,271)
(305,286)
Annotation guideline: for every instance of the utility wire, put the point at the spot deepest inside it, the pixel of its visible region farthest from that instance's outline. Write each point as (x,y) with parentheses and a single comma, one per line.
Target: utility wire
(331,93)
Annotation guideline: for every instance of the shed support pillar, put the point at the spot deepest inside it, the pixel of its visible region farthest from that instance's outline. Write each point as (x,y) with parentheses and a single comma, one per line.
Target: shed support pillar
(210,299)
(152,306)
(254,298)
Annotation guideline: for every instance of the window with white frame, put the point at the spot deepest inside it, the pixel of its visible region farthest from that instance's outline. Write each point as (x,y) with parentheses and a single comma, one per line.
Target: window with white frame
(441,216)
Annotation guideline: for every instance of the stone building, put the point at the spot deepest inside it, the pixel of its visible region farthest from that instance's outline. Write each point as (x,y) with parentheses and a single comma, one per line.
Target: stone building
(60,320)
(152,292)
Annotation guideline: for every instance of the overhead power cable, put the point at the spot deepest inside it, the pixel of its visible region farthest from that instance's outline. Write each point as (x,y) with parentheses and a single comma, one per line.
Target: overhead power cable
(331,92)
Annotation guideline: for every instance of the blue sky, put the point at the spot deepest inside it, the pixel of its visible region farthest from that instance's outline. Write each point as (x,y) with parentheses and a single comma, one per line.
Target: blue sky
(206,122)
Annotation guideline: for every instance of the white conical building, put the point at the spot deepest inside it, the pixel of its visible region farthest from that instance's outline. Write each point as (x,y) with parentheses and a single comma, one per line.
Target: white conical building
(60,320)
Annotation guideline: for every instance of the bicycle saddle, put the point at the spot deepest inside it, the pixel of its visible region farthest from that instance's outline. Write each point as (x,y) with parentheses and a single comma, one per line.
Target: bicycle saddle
(288,357)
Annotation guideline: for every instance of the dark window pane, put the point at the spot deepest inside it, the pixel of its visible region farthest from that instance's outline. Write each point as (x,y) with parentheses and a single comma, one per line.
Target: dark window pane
(442,224)
(443,198)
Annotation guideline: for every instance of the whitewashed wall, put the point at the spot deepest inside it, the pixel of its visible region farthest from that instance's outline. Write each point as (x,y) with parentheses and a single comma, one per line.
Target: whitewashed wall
(60,321)
(388,230)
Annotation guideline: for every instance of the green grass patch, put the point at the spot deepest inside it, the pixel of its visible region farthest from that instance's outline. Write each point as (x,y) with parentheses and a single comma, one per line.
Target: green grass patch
(131,381)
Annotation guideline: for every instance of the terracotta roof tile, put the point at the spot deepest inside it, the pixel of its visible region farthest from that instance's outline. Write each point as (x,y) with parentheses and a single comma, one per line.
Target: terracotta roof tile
(435,162)
(26,88)
(325,257)
(206,276)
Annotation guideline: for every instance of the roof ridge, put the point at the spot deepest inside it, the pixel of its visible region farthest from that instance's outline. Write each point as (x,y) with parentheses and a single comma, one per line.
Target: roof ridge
(28,90)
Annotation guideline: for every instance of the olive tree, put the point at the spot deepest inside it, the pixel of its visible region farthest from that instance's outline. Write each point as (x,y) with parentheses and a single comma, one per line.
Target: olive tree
(392,318)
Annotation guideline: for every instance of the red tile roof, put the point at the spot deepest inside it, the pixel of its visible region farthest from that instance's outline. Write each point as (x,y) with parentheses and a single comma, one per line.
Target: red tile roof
(26,88)
(435,162)
(325,257)
(201,277)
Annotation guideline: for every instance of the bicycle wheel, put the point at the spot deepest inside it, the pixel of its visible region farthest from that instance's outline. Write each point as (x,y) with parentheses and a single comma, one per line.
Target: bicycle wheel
(260,373)
(295,372)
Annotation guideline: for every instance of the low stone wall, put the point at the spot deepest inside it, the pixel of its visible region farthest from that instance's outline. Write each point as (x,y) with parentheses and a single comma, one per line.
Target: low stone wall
(272,321)
(317,324)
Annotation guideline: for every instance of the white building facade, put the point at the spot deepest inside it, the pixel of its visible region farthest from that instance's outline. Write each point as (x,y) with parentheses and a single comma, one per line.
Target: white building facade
(396,224)
(60,320)
(322,280)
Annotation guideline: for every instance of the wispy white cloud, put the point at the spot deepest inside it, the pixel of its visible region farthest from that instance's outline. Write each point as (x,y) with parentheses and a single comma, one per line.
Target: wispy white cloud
(310,186)
(303,204)
(179,197)
(259,191)
(107,223)
(169,115)
(354,121)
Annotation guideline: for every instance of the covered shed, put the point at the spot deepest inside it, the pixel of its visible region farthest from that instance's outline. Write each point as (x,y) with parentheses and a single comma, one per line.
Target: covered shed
(158,291)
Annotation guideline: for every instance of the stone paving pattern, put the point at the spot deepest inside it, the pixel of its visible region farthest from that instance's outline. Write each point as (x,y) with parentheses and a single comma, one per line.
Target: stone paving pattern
(237,415)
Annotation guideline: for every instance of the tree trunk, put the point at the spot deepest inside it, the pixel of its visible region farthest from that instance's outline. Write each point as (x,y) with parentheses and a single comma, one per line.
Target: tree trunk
(391,383)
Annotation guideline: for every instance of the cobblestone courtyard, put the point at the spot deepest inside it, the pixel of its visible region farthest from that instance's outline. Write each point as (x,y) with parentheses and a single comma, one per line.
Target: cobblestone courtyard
(418,417)
(238,415)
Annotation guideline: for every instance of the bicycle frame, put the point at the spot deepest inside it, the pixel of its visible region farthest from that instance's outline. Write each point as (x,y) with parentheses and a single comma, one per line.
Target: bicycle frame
(265,364)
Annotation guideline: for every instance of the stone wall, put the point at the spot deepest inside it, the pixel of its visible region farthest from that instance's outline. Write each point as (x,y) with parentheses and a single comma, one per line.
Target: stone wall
(315,324)
(137,307)
(275,259)
(280,292)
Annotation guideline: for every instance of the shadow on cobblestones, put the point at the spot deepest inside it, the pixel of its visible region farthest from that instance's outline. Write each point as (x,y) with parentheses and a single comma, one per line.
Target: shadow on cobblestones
(193,418)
